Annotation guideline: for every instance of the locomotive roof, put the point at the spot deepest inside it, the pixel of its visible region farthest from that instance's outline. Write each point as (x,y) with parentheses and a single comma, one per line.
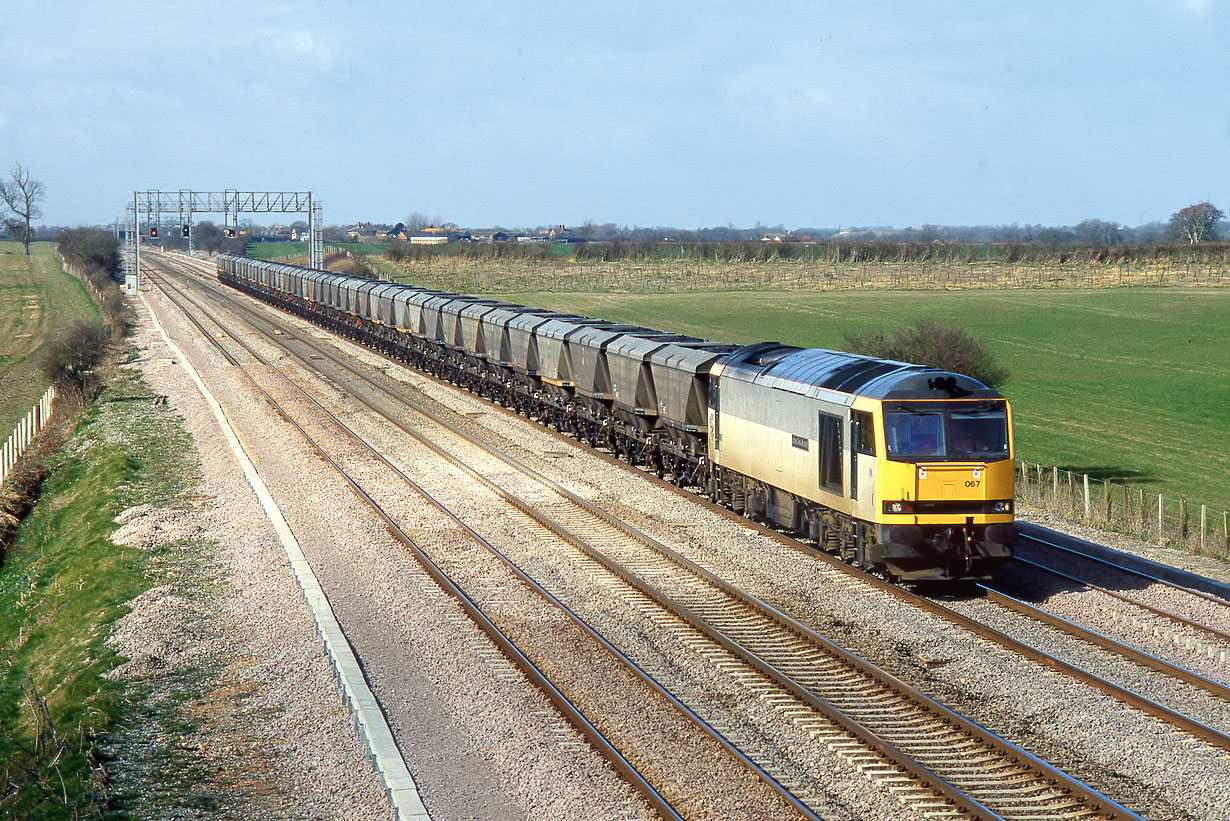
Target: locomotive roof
(814,371)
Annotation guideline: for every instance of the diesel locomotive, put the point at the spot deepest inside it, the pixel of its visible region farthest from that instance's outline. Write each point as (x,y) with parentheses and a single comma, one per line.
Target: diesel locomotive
(899,468)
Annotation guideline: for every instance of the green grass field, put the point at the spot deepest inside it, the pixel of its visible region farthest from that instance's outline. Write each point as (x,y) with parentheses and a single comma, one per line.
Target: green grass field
(1125,384)
(36,299)
(275,250)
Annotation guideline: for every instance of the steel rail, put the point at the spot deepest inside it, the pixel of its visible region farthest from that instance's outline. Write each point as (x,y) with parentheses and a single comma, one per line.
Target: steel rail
(1128,652)
(1157,611)
(1131,571)
(571,713)
(1016,751)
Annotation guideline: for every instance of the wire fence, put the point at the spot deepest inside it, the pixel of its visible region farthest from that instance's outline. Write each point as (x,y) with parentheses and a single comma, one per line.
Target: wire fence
(25,432)
(1133,511)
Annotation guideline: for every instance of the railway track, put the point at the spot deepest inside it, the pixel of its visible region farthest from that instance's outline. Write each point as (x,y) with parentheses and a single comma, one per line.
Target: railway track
(1123,649)
(1184,626)
(1198,620)
(572,713)
(811,679)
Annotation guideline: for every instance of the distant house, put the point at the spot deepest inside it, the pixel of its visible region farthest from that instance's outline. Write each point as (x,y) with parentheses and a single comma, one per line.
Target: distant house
(564,235)
(442,234)
(490,237)
(397,232)
(361,231)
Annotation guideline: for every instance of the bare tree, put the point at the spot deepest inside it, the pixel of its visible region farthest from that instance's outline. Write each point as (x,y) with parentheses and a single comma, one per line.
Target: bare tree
(72,354)
(418,221)
(1099,232)
(1196,223)
(21,195)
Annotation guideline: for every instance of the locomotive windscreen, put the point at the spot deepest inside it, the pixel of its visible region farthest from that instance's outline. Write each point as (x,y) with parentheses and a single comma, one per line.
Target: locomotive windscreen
(930,431)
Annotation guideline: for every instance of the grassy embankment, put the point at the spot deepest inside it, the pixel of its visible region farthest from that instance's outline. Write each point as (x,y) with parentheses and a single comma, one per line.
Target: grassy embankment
(63,584)
(36,299)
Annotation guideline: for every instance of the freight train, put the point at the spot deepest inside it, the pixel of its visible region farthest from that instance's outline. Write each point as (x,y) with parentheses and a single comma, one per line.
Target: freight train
(899,468)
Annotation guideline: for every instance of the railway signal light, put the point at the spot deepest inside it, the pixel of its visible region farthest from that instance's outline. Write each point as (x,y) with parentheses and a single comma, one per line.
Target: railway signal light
(153,233)
(230,232)
(187,231)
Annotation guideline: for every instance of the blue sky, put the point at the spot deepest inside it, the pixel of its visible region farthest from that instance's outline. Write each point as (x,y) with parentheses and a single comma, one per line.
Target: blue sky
(686,114)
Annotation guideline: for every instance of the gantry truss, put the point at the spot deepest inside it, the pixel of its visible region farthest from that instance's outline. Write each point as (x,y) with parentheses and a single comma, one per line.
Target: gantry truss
(159,208)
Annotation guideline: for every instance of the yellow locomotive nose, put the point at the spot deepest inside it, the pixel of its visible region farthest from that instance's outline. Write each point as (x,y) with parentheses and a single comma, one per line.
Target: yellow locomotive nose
(936,492)
(953,481)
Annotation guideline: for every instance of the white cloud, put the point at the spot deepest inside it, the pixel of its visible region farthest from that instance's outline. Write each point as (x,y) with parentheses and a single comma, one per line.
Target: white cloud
(769,95)
(304,46)
(1192,8)
(278,40)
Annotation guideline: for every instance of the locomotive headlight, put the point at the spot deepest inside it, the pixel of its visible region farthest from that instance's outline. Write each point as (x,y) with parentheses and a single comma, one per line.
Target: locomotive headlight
(896,507)
(1002,507)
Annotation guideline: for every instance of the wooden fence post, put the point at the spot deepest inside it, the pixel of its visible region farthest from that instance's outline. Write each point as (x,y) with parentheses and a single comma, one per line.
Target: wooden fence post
(1160,528)
(1183,520)
(1203,516)
(1086,497)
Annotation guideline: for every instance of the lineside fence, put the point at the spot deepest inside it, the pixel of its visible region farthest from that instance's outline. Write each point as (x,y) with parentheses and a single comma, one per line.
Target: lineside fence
(76,271)
(1152,517)
(23,435)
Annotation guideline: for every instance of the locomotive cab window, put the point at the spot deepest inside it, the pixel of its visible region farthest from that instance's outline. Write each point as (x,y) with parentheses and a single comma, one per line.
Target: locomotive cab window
(830,452)
(979,435)
(863,433)
(920,431)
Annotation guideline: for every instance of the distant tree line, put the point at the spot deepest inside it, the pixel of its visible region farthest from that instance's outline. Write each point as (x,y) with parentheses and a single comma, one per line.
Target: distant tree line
(1192,234)
(91,249)
(831,251)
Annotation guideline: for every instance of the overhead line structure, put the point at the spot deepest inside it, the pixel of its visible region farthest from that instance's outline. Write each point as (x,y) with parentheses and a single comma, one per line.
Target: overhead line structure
(156,208)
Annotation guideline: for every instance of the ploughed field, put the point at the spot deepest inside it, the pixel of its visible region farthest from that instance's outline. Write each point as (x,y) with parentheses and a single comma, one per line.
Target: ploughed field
(1124,384)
